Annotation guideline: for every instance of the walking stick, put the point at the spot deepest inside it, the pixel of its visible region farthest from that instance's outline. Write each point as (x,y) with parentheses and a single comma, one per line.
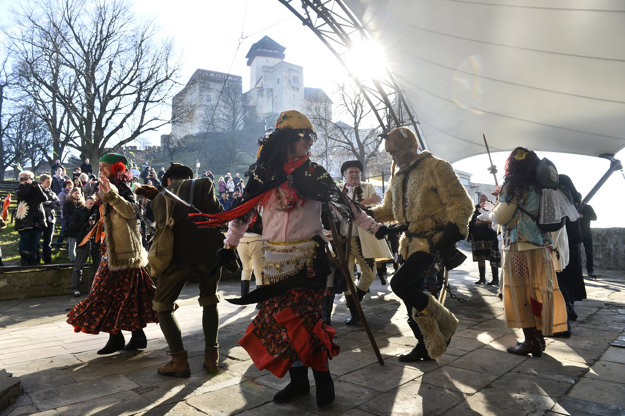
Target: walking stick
(343,263)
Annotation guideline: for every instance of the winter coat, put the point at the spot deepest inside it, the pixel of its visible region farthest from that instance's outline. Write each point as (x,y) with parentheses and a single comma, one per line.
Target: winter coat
(30,214)
(80,221)
(51,205)
(72,226)
(221,187)
(425,196)
(192,245)
(123,240)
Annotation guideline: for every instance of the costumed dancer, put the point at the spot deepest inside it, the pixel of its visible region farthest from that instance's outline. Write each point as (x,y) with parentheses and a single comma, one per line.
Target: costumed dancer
(531,297)
(484,243)
(288,333)
(364,247)
(122,291)
(425,196)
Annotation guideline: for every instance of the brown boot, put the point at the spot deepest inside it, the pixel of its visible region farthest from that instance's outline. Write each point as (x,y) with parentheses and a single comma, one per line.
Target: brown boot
(177,367)
(211,359)
(531,345)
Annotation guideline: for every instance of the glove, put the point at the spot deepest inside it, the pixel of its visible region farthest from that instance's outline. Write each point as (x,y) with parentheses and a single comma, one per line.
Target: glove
(382,232)
(394,229)
(225,258)
(451,256)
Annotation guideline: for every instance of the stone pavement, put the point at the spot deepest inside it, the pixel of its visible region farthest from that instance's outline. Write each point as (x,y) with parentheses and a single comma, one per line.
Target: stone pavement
(61,373)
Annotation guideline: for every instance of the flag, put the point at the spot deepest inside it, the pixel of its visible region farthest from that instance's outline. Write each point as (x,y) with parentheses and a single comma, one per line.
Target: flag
(5,206)
(19,167)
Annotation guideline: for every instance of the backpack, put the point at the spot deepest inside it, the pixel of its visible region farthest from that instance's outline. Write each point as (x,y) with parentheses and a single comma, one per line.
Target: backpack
(555,204)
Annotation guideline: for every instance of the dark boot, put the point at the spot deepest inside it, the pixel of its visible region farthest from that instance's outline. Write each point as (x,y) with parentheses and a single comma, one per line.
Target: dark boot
(381,272)
(531,344)
(354,317)
(137,341)
(24,258)
(245,287)
(177,367)
(419,352)
(570,312)
(324,388)
(211,359)
(298,386)
(114,344)
(495,281)
(482,275)
(326,309)
(34,259)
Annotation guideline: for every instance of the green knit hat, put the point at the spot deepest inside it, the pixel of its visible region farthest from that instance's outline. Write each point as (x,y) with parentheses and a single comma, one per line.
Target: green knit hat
(114,158)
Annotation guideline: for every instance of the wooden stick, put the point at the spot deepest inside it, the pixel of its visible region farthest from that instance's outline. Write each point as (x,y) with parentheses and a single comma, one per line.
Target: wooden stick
(344,257)
(443,294)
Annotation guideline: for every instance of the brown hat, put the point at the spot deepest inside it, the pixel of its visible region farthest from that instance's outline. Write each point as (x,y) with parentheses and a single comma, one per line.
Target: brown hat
(351,164)
(295,120)
(177,169)
(400,138)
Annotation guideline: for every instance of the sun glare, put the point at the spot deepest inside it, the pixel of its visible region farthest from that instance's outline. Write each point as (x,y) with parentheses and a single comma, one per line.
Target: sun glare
(366,60)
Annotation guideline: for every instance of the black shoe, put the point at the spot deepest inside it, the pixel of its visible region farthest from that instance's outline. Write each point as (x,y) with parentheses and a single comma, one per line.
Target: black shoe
(570,312)
(481,282)
(382,279)
(494,282)
(245,287)
(327,303)
(563,334)
(354,317)
(324,388)
(298,386)
(418,353)
(114,344)
(592,275)
(137,341)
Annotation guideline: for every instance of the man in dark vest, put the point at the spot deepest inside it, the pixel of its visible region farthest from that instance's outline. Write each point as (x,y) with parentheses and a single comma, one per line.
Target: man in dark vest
(193,258)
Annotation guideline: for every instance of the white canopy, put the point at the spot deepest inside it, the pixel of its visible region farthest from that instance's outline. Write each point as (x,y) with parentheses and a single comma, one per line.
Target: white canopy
(548,75)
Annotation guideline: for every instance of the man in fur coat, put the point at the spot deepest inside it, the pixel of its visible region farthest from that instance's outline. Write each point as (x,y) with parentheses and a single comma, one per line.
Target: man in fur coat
(364,247)
(427,198)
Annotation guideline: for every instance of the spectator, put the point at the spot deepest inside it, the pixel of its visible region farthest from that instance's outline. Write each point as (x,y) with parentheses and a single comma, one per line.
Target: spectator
(209,174)
(67,188)
(30,219)
(76,174)
(90,187)
(3,225)
(225,201)
(236,198)
(86,167)
(57,181)
(236,179)
(484,243)
(84,219)
(153,180)
(74,201)
(49,207)
(230,187)
(56,165)
(221,185)
(145,173)
(135,171)
(228,177)
(161,173)
(587,214)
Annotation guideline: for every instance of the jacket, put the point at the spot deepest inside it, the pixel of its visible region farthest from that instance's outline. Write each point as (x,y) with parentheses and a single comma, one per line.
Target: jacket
(192,245)
(51,205)
(30,214)
(123,241)
(425,196)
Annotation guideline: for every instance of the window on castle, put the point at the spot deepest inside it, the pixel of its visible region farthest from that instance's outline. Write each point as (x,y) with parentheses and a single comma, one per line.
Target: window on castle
(208,98)
(294,79)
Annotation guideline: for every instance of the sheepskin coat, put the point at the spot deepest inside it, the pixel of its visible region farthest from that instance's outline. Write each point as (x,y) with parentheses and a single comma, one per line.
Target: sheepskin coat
(425,196)
(123,241)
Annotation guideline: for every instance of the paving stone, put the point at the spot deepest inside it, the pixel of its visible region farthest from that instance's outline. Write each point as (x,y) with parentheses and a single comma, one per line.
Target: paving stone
(119,404)
(381,378)
(232,399)
(615,355)
(116,364)
(20,410)
(550,385)
(609,371)
(548,367)
(413,398)
(497,401)
(348,396)
(277,409)
(54,397)
(452,378)
(488,361)
(177,409)
(577,407)
(599,391)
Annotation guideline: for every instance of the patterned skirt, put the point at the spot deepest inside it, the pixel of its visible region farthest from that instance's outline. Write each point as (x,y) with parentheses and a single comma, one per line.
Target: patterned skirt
(487,250)
(118,300)
(287,328)
(531,296)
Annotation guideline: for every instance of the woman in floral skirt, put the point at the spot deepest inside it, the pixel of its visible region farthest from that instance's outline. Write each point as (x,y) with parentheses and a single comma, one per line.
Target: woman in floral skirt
(122,291)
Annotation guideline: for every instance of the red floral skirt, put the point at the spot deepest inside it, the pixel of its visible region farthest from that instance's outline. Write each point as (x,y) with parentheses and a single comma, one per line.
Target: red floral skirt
(118,300)
(287,328)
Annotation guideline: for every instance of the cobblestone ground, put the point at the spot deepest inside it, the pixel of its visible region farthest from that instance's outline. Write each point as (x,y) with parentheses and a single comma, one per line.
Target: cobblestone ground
(585,374)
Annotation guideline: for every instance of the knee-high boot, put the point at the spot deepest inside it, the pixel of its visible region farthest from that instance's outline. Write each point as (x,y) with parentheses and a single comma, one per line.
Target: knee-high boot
(298,386)
(326,309)
(495,281)
(482,280)
(419,352)
(324,387)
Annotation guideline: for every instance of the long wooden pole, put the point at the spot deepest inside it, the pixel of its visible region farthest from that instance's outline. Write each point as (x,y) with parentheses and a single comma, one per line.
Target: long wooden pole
(343,263)
(492,168)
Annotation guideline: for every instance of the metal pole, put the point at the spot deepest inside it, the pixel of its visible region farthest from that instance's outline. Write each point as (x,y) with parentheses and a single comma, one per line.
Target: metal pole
(615,165)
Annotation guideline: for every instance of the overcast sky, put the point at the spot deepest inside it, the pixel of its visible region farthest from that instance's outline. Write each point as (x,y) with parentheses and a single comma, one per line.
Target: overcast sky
(216,35)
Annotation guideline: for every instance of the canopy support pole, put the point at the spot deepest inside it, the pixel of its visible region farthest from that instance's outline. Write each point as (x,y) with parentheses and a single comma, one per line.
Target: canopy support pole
(615,165)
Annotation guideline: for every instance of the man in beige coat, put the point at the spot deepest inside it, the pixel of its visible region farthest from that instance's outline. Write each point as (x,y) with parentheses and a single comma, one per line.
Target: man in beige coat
(364,247)
(427,198)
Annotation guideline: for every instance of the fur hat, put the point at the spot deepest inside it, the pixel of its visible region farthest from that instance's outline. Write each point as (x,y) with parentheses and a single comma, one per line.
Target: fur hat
(177,169)
(295,120)
(400,138)
(350,164)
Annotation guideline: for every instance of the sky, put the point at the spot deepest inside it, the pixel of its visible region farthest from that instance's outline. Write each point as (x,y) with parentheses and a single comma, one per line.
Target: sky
(217,34)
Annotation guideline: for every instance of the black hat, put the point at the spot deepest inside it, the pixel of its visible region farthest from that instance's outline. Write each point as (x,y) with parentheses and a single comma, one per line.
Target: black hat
(177,169)
(351,164)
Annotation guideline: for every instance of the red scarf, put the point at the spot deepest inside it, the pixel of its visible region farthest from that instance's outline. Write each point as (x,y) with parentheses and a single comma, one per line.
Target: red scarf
(290,194)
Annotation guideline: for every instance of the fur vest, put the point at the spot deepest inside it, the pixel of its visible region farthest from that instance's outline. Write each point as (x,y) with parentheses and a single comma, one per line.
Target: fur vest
(425,196)
(123,241)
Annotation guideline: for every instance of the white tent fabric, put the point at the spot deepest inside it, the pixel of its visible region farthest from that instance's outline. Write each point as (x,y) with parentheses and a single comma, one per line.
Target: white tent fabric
(548,75)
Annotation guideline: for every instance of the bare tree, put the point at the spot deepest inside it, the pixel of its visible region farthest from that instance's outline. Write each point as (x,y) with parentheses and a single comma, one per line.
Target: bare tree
(353,139)
(26,141)
(4,117)
(229,117)
(96,66)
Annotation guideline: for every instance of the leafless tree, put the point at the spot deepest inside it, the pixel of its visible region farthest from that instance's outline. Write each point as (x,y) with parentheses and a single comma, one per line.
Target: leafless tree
(95,68)
(229,117)
(4,117)
(353,139)
(26,141)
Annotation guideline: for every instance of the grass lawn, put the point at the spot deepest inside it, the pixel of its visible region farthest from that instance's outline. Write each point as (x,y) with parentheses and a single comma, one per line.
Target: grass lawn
(9,240)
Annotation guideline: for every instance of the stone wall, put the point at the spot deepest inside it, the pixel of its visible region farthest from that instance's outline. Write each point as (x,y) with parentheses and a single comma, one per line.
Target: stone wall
(608,248)
(18,283)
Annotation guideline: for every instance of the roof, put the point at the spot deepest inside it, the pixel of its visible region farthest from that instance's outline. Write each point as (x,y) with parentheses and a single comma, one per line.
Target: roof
(546,75)
(265,47)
